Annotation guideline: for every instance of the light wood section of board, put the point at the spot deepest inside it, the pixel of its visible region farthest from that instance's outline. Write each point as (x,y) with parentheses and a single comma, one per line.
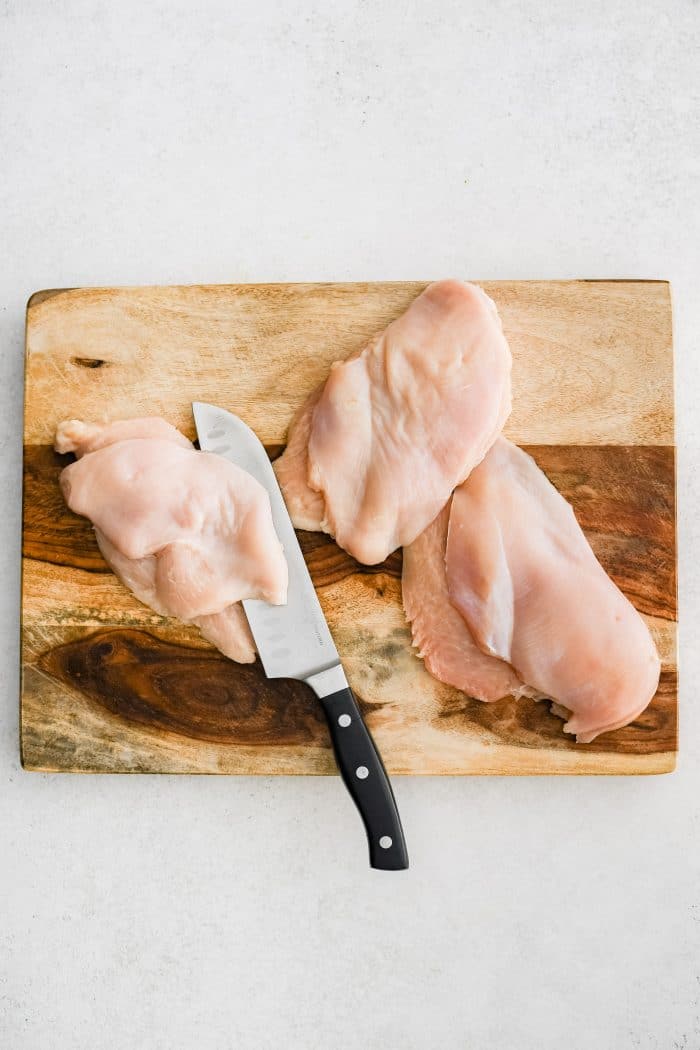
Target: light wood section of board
(592,360)
(109,686)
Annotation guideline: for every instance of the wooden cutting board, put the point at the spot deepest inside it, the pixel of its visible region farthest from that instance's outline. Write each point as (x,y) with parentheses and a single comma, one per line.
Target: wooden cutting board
(109,686)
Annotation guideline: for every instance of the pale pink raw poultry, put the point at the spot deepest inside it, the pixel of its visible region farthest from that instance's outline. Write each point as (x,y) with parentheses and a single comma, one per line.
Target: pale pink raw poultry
(306,507)
(188,532)
(532,593)
(440,634)
(399,424)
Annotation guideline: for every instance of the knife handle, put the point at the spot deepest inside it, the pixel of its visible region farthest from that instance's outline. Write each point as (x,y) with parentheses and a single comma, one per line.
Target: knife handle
(365,778)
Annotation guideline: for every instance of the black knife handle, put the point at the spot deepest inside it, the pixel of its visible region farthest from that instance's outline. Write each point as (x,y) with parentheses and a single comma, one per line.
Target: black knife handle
(365,778)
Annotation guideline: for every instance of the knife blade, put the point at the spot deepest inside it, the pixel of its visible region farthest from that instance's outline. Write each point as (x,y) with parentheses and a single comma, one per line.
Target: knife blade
(294,641)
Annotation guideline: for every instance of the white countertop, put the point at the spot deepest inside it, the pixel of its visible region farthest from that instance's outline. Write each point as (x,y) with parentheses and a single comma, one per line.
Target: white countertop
(182,142)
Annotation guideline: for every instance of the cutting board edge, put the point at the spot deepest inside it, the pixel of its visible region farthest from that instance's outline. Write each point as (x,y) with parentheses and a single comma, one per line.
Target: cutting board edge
(42,294)
(659,764)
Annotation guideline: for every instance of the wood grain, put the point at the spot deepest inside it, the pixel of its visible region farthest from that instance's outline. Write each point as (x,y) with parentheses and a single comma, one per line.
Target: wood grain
(592,359)
(108,685)
(624,499)
(193,692)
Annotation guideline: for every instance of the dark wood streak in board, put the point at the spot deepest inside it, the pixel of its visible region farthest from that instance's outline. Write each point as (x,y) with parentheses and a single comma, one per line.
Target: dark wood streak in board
(624,498)
(53,534)
(527,723)
(196,693)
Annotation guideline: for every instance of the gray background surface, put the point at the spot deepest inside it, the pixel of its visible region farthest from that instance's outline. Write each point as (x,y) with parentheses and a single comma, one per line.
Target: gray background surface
(220,142)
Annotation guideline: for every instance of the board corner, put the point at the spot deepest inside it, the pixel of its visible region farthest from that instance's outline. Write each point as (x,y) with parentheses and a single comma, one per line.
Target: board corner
(40,296)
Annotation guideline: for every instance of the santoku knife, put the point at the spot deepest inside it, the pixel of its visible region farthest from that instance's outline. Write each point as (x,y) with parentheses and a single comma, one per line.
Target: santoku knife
(294,641)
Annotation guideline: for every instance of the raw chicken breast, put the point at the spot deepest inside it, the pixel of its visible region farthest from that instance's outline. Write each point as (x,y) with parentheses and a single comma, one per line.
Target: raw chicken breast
(440,633)
(398,425)
(532,593)
(72,435)
(228,630)
(188,532)
(306,507)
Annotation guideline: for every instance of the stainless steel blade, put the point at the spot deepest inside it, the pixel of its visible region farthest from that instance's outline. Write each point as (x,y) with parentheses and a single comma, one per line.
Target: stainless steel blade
(293,639)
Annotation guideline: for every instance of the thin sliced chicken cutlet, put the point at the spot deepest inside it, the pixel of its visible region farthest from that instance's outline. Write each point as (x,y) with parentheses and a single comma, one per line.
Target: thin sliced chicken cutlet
(440,633)
(398,425)
(532,593)
(188,532)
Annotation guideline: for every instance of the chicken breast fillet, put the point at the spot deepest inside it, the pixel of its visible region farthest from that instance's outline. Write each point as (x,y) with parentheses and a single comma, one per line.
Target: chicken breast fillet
(188,532)
(532,593)
(306,508)
(73,435)
(228,630)
(440,633)
(398,425)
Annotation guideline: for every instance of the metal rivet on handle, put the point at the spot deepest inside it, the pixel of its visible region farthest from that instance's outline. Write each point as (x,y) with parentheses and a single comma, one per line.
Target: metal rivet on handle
(362,772)
(344,721)
(386,842)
